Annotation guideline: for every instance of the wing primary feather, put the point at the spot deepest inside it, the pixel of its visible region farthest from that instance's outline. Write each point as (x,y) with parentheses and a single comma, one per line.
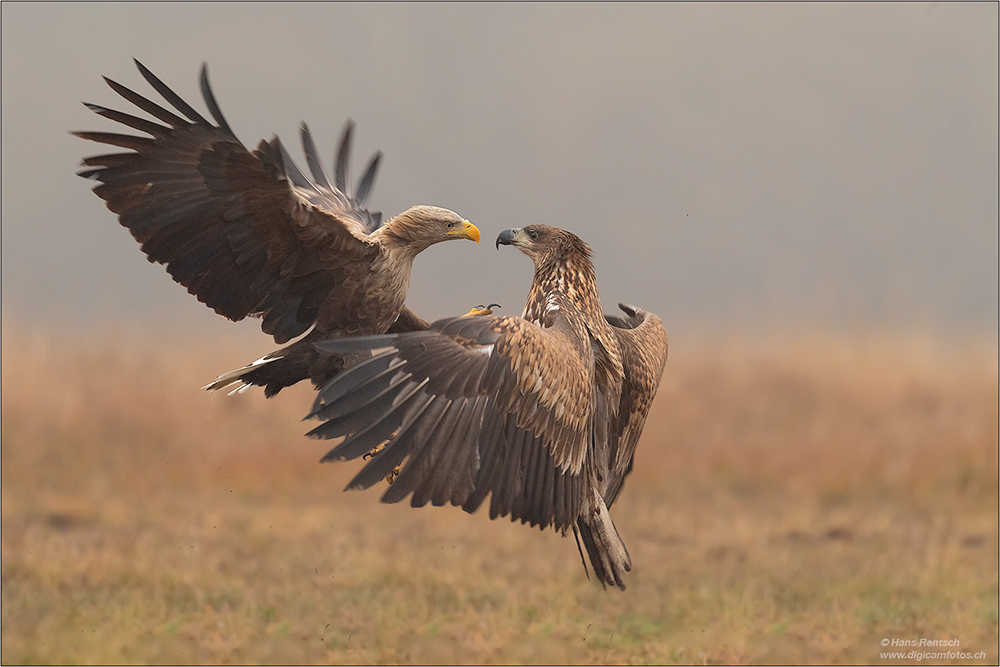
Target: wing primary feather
(548,472)
(456,472)
(170,95)
(171,182)
(424,462)
(437,420)
(350,378)
(92,174)
(525,508)
(140,124)
(362,395)
(574,496)
(359,420)
(510,480)
(402,444)
(491,435)
(562,487)
(394,424)
(347,424)
(558,505)
(127,160)
(312,157)
(365,186)
(534,485)
(147,105)
(415,475)
(115,139)
(522,506)
(492,458)
(343,157)
(213,106)
(291,169)
(450,465)
(411,402)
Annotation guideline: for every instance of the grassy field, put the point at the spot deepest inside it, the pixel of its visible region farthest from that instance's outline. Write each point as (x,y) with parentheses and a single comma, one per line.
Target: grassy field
(796,501)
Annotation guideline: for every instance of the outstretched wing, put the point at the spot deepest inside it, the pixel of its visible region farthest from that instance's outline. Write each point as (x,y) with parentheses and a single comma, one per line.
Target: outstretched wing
(247,233)
(475,405)
(643,344)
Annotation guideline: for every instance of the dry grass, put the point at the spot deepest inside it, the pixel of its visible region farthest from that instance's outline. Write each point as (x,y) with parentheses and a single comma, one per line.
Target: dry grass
(795,502)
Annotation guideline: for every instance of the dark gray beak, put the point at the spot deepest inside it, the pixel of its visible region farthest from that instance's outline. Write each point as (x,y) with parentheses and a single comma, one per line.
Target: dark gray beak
(507,236)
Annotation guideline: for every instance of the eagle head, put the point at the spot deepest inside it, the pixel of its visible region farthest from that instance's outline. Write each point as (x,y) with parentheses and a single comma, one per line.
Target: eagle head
(544,244)
(420,227)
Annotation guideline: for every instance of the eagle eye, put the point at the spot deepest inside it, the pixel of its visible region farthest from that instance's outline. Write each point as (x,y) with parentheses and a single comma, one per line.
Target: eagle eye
(532,234)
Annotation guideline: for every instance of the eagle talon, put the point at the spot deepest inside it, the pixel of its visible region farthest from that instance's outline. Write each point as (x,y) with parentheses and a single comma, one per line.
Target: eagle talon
(482,310)
(391,477)
(374,451)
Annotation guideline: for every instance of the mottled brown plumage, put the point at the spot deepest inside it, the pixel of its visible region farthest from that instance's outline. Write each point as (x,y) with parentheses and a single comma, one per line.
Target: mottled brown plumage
(249,235)
(542,412)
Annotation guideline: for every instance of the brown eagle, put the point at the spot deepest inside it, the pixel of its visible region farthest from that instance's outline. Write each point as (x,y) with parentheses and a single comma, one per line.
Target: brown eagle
(541,411)
(249,235)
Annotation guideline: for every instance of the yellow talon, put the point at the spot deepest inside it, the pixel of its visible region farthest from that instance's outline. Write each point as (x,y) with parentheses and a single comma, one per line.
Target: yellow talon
(391,477)
(481,310)
(374,451)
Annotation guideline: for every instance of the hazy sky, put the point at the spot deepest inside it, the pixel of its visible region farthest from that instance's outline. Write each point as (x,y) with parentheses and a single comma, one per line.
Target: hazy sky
(732,165)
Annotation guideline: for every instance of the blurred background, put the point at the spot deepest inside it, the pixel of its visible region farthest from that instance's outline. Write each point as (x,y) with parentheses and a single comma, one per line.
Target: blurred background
(749,166)
(807,194)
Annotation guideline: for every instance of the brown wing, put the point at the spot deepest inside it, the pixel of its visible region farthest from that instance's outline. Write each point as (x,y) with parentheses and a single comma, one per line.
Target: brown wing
(643,344)
(476,405)
(408,321)
(247,233)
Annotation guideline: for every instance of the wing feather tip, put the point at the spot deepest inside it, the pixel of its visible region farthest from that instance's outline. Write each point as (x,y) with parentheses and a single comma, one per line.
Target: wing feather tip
(333,455)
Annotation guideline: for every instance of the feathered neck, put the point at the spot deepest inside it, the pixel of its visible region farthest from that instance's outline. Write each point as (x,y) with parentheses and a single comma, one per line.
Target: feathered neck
(564,277)
(399,236)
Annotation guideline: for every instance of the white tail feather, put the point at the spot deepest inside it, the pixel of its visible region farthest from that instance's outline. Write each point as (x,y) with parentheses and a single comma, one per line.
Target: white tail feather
(227,380)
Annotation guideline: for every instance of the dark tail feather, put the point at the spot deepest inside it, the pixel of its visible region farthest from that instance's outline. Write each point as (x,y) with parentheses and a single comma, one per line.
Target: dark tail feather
(583,559)
(607,553)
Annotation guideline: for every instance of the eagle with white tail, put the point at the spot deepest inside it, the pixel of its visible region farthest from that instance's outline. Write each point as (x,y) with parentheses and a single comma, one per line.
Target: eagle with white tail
(250,235)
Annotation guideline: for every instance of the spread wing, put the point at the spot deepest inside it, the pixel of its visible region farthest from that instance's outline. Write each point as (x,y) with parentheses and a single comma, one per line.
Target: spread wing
(642,341)
(247,233)
(475,405)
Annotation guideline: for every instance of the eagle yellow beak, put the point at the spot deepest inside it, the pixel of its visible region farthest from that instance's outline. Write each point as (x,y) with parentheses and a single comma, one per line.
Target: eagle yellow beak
(468,231)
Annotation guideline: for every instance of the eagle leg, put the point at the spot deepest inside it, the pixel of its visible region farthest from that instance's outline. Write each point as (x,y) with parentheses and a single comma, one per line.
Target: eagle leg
(374,452)
(391,477)
(482,310)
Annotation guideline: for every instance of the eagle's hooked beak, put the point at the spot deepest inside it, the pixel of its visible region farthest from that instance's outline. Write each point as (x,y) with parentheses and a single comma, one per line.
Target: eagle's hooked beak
(468,231)
(507,236)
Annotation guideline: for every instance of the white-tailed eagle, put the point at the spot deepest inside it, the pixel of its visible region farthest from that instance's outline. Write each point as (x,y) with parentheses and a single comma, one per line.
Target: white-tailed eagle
(250,235)
(542,412)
